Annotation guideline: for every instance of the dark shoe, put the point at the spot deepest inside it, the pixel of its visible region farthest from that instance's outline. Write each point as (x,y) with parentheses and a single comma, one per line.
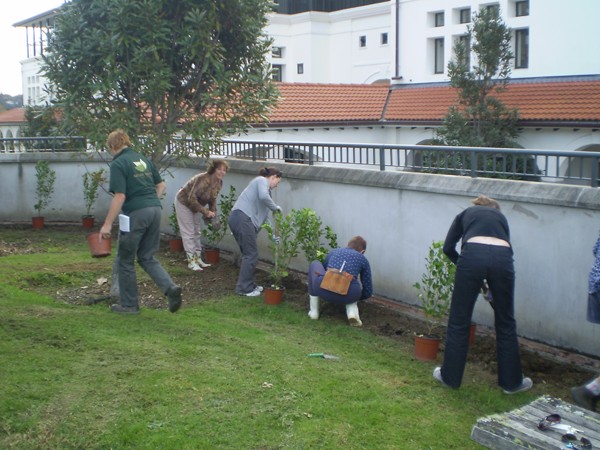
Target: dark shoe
(124,309)
(526,384)
(583,397)
(174,296)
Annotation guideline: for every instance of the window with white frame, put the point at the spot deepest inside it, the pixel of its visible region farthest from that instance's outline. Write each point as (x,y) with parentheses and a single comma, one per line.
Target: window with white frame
(384,39)
(522,8)
(362,41)
(277,72)
(465,40)
(465,15)
(494,10)
(522,48)
(277,52)
(300,68)
(438,61)
(439,19)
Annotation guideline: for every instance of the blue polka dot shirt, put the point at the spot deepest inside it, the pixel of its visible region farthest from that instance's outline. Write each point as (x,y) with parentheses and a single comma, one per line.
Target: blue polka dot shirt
(594,278)
(356,264)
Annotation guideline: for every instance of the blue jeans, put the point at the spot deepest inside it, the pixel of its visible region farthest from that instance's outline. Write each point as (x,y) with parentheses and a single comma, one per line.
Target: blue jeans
(316,271)
(142,241)
(495,264)
(593,309)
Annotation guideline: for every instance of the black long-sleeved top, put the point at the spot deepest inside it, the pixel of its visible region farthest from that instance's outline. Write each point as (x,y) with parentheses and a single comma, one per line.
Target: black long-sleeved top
(475,221)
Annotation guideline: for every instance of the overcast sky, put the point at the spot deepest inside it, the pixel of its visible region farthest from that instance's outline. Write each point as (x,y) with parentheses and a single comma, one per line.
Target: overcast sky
(14,44)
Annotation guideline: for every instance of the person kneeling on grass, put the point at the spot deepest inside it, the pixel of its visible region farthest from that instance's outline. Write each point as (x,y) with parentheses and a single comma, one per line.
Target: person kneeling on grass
(354,262)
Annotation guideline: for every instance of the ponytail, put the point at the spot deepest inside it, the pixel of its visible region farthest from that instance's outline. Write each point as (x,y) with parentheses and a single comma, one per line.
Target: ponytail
(269,172)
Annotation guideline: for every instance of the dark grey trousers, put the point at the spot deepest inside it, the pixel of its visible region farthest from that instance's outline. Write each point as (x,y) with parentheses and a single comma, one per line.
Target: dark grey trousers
(143,241)
(245,234)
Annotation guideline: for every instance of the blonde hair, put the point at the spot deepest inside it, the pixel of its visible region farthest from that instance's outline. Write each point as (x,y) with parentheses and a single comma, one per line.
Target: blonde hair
(484,200)
(117,140)
(213,164)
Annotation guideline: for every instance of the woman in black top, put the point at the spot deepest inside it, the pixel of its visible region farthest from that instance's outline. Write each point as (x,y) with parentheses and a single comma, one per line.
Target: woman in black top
(486,254)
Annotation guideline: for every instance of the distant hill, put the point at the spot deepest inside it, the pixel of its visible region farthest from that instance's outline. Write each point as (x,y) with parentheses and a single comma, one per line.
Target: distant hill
(10,101)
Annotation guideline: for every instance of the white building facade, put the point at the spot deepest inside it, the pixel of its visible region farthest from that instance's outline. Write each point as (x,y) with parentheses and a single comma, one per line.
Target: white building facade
(410,41)
(402,42)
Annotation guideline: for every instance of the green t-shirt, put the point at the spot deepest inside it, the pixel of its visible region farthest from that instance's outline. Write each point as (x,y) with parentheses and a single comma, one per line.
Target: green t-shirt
(135,176)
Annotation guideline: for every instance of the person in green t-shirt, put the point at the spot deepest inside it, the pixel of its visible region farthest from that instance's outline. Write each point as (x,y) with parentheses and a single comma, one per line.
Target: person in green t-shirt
(137,187)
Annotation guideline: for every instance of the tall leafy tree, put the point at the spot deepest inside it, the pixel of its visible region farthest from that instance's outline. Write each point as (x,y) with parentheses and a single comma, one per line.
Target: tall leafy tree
(480,119)
(161,69)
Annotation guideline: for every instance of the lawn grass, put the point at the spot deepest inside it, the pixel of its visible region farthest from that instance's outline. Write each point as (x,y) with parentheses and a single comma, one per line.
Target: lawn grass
(226,372)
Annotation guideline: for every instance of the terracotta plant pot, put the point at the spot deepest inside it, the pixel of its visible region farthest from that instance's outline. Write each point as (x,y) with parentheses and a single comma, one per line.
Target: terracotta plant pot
(273,296)
(37,222)
(176,245)
(212,255)
(87,222)
(426,347)
(98,247)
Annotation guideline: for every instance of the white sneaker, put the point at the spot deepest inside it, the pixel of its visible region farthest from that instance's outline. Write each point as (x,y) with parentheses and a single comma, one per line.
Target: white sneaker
(437,374)
(526,384)
(255,293)
(260,288)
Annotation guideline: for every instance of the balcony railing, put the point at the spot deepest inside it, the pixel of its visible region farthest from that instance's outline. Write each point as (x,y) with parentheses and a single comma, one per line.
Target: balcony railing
(43,144)
(569,167)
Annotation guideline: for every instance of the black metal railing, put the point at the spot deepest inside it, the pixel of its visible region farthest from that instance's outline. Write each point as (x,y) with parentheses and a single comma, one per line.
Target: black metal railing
(572,167)
(299,6)
(569,167)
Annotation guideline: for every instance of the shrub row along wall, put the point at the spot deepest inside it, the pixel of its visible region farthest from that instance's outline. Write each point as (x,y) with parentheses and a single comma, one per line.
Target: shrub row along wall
(553,227)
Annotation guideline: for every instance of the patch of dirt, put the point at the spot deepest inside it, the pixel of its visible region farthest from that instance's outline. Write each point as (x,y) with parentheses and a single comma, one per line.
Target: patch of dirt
(554,371)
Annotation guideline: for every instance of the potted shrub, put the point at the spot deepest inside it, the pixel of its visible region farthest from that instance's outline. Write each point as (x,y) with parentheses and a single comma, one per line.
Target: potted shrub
(91,183)
(310,233)
(175,241)
(215,230)
(435,293)
(44,189)
(284,246)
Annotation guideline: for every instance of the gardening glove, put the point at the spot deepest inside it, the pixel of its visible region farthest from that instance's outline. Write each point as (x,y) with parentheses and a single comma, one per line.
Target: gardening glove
(213,222)
(276,239)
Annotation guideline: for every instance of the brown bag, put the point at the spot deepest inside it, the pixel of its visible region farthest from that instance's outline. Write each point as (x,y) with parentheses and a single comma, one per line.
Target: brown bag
(336,280)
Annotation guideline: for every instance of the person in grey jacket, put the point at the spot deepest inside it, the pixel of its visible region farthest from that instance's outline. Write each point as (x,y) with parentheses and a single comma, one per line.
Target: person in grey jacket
(247,216)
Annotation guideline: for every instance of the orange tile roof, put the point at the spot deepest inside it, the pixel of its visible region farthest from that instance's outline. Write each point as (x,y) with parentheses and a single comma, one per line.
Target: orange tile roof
(329,104)
(311,102)
(539,101)
(564,101)
(15,115)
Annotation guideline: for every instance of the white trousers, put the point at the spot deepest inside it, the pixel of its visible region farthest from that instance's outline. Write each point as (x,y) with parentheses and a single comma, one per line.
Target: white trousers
(190,227)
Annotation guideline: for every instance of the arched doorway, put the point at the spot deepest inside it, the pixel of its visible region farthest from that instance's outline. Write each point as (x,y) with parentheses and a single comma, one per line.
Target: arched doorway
(580,168)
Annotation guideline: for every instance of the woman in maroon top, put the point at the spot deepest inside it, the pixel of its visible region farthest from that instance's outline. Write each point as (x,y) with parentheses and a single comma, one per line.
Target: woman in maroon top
(486,254)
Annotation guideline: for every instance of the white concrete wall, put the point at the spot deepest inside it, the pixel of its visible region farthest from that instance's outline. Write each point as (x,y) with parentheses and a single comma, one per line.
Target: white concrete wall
(563,138)
(328,45)
(34,84)
(553,228)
